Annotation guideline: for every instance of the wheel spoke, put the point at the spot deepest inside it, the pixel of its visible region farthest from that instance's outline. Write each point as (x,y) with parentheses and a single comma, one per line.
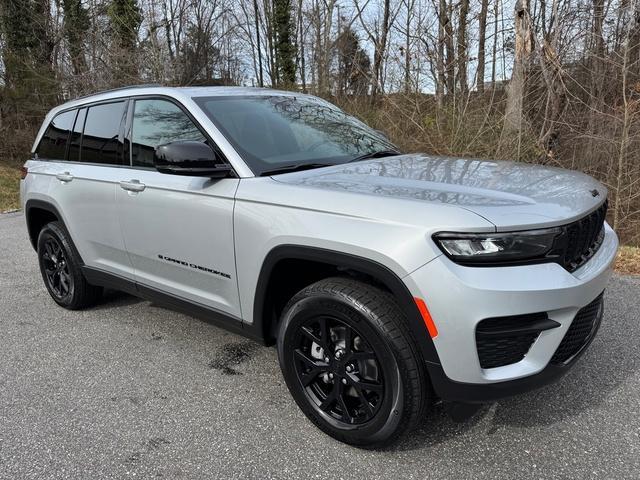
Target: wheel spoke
(49,250)
(329,399)
(365,402)
(307,332)
(346,415)
(325,336)
(64,283)
(368,386)
(316,367)
(309,362)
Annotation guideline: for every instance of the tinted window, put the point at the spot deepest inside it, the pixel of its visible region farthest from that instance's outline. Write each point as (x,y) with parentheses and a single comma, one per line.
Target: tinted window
(273,131)
(54,142)
(101,138)
(76,136)
(158,122)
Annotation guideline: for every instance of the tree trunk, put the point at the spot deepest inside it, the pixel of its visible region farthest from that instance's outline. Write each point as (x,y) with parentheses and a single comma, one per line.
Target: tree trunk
(496,11)
(450,58)
(516,87)
(256,13)
(482,37)
(463,58)
(440,61)
(381,45)
(407,44)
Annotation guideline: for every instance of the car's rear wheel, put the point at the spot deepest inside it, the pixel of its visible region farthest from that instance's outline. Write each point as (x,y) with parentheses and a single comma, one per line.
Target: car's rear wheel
(350,363)
(60,266)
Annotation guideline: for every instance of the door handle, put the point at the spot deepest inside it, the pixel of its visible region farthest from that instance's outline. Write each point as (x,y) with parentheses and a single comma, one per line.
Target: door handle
(65,177)
(132,186)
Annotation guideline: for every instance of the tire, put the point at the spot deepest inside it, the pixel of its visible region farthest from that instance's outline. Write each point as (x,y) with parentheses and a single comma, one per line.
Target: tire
(363,381)
(60,266)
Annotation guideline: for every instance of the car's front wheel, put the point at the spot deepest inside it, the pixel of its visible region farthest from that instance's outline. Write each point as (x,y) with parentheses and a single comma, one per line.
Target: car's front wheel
(60,265)
(350,363)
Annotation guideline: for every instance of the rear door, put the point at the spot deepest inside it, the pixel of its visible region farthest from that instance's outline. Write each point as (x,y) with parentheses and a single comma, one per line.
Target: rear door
(178,230)
(87,171)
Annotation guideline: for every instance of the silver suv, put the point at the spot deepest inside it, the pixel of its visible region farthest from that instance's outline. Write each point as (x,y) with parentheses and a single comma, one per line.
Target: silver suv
(386,280)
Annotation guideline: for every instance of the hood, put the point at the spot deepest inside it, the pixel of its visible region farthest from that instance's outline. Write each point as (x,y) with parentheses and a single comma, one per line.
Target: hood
(510,195)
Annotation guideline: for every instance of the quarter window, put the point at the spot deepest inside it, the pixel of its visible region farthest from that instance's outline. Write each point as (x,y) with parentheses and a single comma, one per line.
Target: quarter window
(54,141)
(101,141)
(158,122)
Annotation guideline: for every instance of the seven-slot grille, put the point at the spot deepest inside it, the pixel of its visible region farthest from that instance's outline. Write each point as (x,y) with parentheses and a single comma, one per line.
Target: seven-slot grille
(580,331)
(583,238)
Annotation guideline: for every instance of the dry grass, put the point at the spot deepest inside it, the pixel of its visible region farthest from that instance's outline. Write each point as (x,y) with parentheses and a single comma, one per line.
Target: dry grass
(628,262)
(9,187)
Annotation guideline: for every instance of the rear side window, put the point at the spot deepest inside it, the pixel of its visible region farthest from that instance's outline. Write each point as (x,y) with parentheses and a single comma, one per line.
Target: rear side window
(54,141)
(101,140)
(158,122)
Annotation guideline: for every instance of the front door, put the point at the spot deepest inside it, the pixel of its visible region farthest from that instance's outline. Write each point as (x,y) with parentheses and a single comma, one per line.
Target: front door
(178,230)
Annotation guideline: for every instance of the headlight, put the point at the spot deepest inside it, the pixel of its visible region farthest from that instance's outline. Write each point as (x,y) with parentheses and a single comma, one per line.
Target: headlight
(498,248)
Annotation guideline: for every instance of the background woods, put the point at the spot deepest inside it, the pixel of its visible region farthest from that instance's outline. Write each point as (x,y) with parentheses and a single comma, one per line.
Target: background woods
(548,81)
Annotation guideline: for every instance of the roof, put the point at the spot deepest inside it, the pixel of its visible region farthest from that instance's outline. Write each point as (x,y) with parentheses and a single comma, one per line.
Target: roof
(173,92)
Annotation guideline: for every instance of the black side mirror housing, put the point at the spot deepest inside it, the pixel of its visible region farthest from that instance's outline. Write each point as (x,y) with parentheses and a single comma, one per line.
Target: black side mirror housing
(189,158)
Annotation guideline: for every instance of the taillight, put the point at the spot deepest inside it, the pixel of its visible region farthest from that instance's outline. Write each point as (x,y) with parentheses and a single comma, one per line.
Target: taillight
(23,172)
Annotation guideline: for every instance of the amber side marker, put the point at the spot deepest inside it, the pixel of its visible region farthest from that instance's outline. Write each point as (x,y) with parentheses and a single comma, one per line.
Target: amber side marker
(23,172)
(426,316)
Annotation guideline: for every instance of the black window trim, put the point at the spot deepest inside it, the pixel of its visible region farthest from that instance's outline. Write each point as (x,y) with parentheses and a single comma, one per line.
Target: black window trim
(66,155)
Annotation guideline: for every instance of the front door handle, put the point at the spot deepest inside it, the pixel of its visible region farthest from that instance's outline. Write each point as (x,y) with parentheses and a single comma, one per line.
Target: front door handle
(65,177)
(132,186)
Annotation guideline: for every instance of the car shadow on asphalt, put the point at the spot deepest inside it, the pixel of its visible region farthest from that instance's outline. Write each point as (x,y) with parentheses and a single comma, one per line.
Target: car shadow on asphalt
(113,299)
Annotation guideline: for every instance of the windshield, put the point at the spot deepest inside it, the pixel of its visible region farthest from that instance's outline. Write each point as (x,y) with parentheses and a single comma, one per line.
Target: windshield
(272,132)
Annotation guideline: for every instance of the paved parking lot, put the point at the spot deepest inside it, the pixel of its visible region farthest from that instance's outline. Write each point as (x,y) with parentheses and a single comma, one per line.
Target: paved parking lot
(131,390)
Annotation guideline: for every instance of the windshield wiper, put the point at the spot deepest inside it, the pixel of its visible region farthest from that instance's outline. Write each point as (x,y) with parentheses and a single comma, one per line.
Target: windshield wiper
(294,168)
(376,154)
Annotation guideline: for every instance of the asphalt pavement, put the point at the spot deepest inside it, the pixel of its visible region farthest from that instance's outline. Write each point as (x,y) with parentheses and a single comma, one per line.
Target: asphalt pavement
(131,390)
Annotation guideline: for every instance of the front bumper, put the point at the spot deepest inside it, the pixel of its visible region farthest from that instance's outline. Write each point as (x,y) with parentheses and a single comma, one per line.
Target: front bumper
(460,297)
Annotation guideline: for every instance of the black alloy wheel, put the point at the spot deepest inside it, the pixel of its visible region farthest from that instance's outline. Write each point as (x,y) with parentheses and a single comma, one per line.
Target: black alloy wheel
(338,369)
(56,268)
(61,269)
(350,362)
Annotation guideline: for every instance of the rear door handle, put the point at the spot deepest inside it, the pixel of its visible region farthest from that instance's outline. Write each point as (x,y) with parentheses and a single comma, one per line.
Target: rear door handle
(132,186)
(64,177)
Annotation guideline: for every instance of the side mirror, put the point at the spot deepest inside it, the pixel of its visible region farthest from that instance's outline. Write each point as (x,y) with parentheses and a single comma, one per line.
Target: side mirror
(189,158)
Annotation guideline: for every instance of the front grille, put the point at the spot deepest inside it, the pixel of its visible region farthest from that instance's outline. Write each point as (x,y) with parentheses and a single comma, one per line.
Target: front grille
(505,340)
(580,331)
(583,239)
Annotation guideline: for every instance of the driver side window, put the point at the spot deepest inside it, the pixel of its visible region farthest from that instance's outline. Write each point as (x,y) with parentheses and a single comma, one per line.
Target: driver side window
(158,122)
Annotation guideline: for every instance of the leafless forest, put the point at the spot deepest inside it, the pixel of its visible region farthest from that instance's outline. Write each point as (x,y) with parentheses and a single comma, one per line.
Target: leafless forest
(548,81)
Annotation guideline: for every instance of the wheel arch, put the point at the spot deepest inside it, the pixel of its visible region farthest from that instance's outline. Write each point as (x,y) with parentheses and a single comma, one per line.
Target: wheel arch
(38,213)
(264,321)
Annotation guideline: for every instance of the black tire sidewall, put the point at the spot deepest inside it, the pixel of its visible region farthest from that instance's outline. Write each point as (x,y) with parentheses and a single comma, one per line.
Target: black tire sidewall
(387,419)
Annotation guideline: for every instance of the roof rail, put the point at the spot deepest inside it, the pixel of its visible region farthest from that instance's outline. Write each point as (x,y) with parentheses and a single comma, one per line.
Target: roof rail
(143,85)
